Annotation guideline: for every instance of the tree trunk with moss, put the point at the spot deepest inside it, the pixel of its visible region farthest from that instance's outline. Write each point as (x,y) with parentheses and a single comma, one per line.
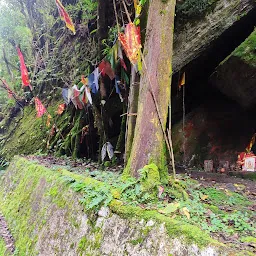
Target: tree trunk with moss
(132,112)
(149,144)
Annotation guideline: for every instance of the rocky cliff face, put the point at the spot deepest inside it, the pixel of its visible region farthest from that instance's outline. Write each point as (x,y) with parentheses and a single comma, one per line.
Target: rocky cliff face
(197,36)
(235,76)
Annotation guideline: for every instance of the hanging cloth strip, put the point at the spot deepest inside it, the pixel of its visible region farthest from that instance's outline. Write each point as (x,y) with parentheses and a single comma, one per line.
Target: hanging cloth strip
(75,97)
(65,95)
(65,16)
(88,94)
(24,70)
(39,107)
(131,42)
(93,80)
(106,69)
(86,97)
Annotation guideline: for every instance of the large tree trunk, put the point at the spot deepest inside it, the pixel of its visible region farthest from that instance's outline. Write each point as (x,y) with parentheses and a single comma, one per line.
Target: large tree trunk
(149,144)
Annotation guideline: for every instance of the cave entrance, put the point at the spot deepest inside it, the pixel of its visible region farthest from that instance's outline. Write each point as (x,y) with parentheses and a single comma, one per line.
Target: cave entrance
(216,127)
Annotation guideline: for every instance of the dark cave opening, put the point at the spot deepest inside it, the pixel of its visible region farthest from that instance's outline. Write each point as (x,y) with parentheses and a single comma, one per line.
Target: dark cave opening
(216,127)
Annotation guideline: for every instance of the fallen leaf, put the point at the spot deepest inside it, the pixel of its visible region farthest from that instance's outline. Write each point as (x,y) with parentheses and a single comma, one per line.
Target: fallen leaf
(203,197)
(170,208)
(185,211)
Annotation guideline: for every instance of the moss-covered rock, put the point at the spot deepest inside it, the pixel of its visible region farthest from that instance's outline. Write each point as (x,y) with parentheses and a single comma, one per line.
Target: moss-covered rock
(235,78)
(46,218)
(151,177)
(31,134)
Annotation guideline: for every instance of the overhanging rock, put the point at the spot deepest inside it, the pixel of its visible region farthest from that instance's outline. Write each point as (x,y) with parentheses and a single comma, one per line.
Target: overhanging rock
(195,37)
(235,76)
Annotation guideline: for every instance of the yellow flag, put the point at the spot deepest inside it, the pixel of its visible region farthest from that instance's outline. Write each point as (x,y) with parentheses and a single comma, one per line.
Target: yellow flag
(182,80)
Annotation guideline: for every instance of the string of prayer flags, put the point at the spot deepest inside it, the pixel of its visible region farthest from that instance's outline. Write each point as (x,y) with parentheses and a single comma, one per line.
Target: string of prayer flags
(49,119)
(61,109)
(131,42)
(24,70)
(65,16)
(252,142)
(182,81)
(39,107)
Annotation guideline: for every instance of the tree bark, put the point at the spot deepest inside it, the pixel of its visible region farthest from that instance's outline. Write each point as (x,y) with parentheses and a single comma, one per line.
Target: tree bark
(102,23)
(149,145)
(132,109)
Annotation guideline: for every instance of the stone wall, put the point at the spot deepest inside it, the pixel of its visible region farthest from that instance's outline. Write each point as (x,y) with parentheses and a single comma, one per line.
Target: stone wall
(46,218)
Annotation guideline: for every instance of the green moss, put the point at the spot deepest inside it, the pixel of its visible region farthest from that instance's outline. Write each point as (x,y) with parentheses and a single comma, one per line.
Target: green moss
(3,248)
(213,208)
(249,239)
(23,213)
(137,241)
(91,244)
(28,178)
(246,51)
(82,245)
(174,228)
(245,253)
(218,197)
(194,9)
(31,134)
(152,178)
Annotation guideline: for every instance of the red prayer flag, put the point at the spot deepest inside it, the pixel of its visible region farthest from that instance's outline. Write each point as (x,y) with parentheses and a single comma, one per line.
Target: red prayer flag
(106,69)
(24,71)
(39,107)
(131,42)
(65,16)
